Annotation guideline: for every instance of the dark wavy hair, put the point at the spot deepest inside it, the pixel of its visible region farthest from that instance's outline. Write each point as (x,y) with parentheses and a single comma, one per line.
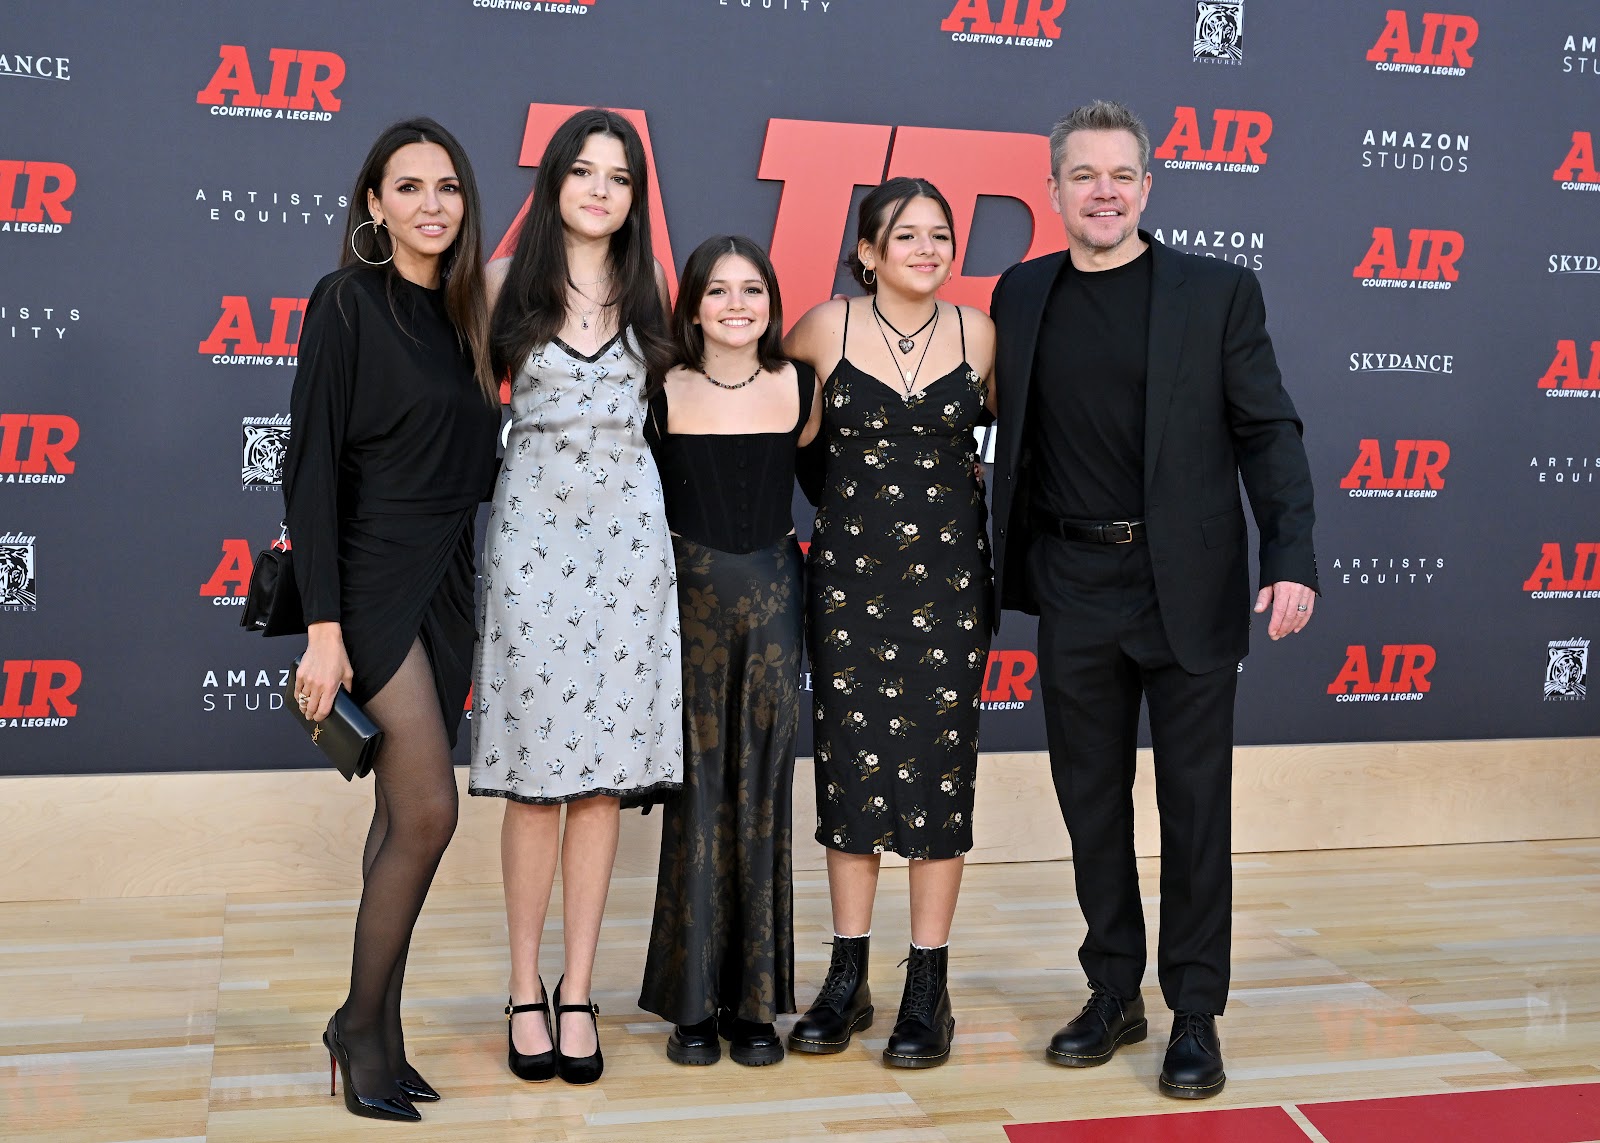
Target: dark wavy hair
(688,338)
(461,267)
(880,210)
(533,302)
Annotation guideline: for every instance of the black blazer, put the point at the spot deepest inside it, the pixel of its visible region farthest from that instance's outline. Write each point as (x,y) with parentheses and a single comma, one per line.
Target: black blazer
(1215,411)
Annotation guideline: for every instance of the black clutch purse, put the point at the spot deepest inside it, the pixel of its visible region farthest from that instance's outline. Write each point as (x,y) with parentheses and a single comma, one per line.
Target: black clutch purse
(272,601)
(347,736)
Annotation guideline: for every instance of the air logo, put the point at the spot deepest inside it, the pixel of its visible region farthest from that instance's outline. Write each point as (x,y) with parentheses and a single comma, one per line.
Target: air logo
(1238,141)
(316,75)
(1429,264)
(1402,674)
(230,580)
(1567,376)
(1577,171)
(1442,45)
(1417,472)
(35,448)
(1006,680)
(1019,23)
(233,339)
(1554,577)
(33,196)
(38,692)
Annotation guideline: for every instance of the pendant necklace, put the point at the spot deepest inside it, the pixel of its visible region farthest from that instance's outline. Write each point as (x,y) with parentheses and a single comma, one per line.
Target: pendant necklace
(909,377)
(724,384)
(585,314)
(907,341)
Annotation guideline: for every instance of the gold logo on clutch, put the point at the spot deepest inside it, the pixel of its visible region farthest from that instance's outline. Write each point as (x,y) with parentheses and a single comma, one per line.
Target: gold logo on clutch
(316,733)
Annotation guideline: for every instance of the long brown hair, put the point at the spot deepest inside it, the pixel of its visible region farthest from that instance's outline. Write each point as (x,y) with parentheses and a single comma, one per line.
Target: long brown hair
(533,301)
(461,266)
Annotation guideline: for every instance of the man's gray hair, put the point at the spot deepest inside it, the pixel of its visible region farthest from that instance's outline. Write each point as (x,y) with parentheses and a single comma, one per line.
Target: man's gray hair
(1101,115)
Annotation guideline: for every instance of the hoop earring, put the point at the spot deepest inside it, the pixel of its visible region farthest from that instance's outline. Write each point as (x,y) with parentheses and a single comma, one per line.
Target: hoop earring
(868,278)
(372,222)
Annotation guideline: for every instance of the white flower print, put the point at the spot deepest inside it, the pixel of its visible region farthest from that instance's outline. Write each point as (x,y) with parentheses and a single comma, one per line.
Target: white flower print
(947,786)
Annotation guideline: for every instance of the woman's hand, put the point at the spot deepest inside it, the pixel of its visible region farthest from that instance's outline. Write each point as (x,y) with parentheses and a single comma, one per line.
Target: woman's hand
(324,668)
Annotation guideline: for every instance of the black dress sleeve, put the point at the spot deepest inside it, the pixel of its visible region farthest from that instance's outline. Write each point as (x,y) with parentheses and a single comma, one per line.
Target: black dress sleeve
(319,408)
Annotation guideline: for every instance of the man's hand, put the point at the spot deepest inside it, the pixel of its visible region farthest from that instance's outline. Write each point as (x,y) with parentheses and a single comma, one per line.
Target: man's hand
(1291,605)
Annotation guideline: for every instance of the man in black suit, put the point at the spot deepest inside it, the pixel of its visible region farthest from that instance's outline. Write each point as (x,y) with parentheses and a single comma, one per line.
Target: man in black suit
(1137,385)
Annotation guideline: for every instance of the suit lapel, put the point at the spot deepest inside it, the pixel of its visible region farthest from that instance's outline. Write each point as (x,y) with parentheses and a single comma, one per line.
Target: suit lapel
(1021,341)
(1169,314)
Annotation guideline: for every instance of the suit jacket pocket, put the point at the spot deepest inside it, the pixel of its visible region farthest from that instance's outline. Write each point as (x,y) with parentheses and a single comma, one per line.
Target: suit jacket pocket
(1223,528)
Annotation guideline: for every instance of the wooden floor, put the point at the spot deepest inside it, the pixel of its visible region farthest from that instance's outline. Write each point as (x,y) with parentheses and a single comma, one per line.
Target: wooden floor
(1356,974)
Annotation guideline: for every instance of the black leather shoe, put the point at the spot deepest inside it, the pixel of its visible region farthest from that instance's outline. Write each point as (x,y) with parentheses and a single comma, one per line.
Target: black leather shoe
(1105,1024)
(541,1066)
(1193,1067)
(695,1044)
(749,1043)
(843,1007)
(578,1069)
(922,1031)
(414,1087)
(393,1105)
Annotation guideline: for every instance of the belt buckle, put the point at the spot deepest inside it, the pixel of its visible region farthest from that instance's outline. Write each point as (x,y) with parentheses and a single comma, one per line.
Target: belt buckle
(1128,525)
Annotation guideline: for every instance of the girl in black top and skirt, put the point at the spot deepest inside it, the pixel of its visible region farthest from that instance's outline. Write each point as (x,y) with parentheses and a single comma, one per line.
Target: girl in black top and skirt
(395,414)
(725,427)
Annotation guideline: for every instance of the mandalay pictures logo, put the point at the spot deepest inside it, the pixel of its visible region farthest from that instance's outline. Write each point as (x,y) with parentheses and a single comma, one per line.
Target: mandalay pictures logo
(1238,143)
(1219,32)
(315,76)
(1566,670)
(1404,150)
(33,196)
(1441,45)
(19,582)
(1577,171)
(1003,23)
(266,443)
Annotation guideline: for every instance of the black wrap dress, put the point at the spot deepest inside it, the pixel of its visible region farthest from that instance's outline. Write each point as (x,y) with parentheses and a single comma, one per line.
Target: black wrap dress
(392,449)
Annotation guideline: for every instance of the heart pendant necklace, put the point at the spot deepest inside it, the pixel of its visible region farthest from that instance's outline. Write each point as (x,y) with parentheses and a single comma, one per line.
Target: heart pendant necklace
(908,341)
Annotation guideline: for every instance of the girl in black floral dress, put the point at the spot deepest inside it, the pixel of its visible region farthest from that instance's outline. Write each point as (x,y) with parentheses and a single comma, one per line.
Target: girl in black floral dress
(899,605)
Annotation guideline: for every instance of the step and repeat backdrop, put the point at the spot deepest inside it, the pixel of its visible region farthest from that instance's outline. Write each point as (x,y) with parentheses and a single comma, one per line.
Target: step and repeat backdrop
(1417,190)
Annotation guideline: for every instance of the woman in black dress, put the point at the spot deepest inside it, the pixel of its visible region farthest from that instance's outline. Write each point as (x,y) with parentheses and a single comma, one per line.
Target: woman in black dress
(899,606)
(724,427)
(395,414)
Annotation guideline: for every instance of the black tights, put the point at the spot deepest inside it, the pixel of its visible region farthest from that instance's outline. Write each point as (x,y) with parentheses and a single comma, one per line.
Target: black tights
(415,816)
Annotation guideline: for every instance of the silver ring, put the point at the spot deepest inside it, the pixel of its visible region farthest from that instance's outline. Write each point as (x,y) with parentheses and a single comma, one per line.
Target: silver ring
(302,699)
(1302,607)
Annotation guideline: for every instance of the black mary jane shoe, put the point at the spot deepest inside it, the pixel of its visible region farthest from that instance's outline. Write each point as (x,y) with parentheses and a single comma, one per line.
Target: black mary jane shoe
(414,1087)
(578,1070)
(695,1045)
(541,1066)
(752,1044)
(1193,1065)
(1093,1036)
(395,1106)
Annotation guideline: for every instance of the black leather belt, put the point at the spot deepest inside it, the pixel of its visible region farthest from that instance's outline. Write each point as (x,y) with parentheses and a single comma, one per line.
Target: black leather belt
(1089,532)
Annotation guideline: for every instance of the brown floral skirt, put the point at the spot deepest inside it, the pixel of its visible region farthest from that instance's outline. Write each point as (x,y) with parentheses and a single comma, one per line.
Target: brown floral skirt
(723,934)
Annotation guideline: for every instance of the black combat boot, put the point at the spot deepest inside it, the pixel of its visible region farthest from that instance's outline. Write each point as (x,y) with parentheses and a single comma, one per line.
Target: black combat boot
(921,1036)
(843,1007)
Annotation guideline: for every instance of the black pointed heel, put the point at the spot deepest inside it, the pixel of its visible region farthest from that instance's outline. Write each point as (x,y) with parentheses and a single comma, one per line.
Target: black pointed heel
(415,1088)
(536,1068)
(578,1069)
(396,1106)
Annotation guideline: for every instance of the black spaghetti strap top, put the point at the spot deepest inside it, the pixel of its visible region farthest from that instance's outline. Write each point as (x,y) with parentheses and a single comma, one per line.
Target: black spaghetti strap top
(729,491)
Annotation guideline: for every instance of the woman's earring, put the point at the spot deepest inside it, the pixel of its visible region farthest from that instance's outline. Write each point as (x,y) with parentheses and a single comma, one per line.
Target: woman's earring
(868,278)
(375,224)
